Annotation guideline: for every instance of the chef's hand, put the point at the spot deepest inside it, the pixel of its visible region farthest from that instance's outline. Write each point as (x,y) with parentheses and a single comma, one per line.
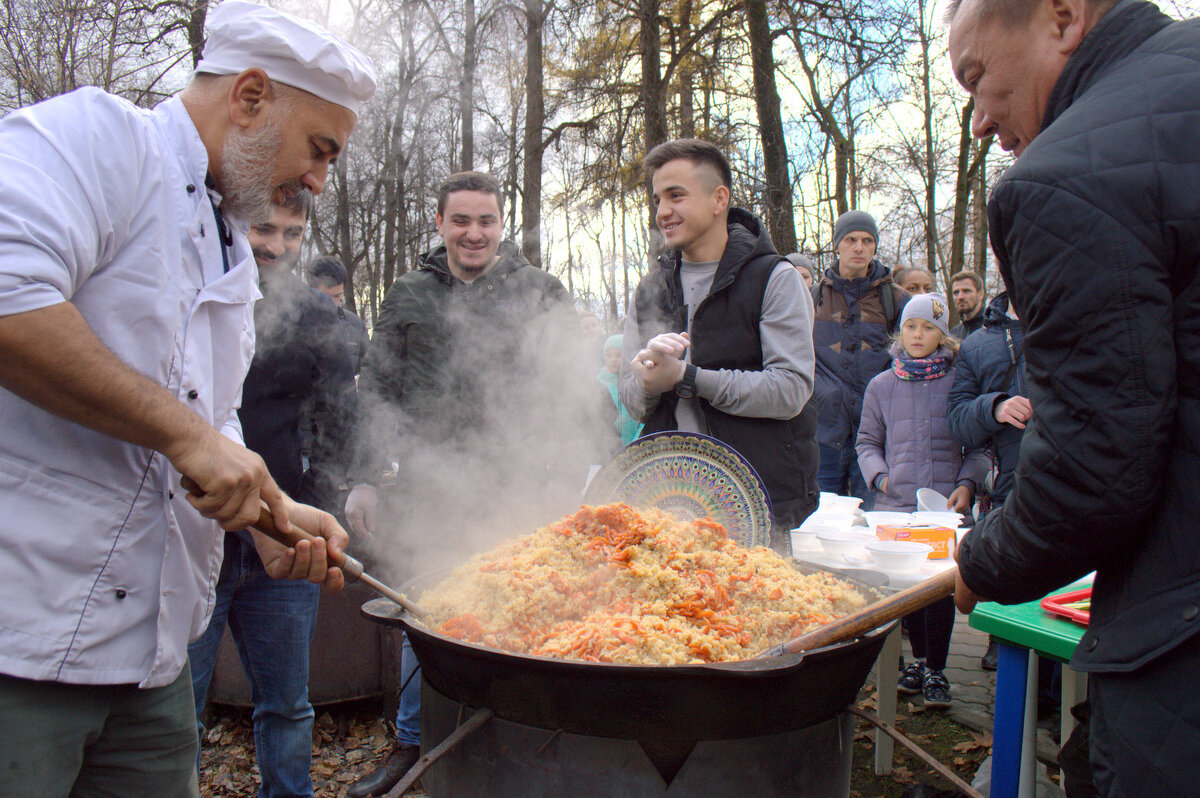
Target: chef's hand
(232,479)
(960,500)
(1015,410)
(659,367)
(309,560)
(360,510)
(964,599)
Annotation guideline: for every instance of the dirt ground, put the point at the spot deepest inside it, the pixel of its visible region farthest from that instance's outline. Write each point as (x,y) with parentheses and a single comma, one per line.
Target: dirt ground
(350,739)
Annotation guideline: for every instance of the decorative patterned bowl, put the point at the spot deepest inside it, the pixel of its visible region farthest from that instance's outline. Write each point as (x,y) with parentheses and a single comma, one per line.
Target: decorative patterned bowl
(692,476)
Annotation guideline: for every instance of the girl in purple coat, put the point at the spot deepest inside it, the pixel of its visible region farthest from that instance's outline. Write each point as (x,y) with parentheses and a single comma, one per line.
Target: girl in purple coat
(904,443)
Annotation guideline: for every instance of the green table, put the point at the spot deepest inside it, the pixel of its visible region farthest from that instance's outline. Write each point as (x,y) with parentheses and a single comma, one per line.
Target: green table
(1022,629)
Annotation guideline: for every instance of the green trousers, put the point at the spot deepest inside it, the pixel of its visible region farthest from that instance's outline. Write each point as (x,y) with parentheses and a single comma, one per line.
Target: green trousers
(97,741)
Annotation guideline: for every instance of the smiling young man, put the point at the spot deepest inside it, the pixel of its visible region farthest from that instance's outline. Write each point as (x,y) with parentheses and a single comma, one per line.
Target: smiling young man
(473,364)
(857,308)
(1097,236)
(719,337)
(126,324)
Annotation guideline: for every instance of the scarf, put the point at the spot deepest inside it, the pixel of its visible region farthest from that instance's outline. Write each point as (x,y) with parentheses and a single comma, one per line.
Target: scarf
(914,369)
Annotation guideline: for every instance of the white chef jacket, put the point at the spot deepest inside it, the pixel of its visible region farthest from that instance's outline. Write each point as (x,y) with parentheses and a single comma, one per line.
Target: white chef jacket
(106,572)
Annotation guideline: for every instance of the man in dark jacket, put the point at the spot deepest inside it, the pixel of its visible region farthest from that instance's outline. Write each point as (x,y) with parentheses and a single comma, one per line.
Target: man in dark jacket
(718,339)
(299,360)
(328,275)
(474,383)
(988,405)
(857,306)
(1097,236)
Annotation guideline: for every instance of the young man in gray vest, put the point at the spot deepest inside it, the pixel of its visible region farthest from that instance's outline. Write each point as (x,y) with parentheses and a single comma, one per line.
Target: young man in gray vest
(719,337)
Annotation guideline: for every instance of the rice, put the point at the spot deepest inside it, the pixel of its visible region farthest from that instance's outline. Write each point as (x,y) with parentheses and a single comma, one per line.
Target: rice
(614,584)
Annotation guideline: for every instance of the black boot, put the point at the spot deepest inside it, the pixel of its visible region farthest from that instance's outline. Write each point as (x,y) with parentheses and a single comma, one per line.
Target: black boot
(387,775)
(988,663)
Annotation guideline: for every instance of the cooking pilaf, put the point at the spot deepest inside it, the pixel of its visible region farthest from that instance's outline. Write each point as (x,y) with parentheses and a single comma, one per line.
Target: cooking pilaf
(614,584)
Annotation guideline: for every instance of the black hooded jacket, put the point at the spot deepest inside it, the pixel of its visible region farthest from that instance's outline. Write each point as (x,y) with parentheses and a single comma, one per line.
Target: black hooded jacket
(990,368)
(725,335)
(1097,232)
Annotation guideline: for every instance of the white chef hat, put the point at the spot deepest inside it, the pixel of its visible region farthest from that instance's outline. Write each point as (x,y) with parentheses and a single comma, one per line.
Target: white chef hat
(243,35)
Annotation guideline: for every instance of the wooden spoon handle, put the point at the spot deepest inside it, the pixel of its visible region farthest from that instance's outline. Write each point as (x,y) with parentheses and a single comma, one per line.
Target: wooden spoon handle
(874,615)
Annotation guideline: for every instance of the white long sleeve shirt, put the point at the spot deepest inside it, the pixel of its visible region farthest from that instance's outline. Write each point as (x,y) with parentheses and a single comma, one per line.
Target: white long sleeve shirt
(106,571)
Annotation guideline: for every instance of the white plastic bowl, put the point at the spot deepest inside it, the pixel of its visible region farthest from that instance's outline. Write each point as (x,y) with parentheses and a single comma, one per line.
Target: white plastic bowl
(841,544)
(899,555)
(877,518)
(947,519)
(929,500)
(826,520)
(832,501)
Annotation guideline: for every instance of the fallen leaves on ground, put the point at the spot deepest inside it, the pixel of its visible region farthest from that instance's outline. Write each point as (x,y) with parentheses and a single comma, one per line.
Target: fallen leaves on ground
(978,740)
(346,744)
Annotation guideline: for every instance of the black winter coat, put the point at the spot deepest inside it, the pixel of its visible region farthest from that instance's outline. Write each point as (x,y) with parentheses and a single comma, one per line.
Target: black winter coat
(851,336)
(1097,232)
(479,367)
(981,381)
(300,364)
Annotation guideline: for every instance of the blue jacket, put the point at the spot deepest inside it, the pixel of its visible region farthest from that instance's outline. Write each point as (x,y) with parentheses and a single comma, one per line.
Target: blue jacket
(851,336)
(983,363)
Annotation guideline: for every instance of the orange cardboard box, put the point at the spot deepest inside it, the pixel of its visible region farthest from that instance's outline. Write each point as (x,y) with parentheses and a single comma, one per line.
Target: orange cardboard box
(940,537)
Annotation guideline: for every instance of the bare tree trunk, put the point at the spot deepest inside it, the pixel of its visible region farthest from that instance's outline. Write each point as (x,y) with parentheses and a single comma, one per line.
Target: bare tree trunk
(962,189)
(466,88)
(195,29)
(653,100)
(979,239)
(781,222)
(342,224)
(931,231)
(535,114)
(512,171)
(687,118)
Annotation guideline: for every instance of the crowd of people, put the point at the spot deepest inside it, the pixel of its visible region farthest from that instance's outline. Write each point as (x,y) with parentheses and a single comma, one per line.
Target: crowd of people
(169,370)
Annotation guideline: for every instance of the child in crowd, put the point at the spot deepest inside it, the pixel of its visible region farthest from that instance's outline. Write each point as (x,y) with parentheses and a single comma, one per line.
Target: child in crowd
(623,424)
(904,443)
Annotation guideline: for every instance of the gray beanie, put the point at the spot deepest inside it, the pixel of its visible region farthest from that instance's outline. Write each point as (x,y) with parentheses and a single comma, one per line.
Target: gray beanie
(800,259)
(931,307)
(854,222)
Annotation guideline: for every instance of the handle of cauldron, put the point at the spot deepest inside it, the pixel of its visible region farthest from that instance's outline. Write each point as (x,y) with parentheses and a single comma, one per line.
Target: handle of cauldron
(351,567)
(872,616)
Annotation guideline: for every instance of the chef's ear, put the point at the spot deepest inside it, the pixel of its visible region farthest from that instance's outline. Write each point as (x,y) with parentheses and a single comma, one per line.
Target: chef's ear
(249,96)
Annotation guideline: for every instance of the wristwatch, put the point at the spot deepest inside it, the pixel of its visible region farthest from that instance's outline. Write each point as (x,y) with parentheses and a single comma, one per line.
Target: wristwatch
(686,387)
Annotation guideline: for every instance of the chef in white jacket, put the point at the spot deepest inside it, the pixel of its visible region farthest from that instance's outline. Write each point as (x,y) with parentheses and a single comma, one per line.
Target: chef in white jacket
(126,329)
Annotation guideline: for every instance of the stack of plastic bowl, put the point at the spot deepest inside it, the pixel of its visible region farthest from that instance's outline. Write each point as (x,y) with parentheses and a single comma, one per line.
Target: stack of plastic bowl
(833,514)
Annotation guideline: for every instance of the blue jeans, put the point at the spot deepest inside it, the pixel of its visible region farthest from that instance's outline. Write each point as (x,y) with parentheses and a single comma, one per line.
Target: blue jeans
(839,473)
(408,717)
(272,623)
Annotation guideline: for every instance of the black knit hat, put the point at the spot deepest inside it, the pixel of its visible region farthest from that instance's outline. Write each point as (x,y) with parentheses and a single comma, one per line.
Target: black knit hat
(854,222)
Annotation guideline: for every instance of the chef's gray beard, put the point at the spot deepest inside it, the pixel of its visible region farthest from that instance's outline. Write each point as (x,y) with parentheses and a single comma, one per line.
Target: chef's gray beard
(247,164)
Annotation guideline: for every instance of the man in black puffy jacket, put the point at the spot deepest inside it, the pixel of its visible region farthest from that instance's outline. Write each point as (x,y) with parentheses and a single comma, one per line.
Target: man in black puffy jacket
(1097,232)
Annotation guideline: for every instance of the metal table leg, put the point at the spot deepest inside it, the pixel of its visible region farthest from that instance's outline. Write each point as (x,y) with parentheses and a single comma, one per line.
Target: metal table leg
(887,669)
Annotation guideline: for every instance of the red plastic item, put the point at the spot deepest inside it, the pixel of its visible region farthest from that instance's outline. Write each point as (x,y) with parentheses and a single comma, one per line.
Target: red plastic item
(1056,605)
